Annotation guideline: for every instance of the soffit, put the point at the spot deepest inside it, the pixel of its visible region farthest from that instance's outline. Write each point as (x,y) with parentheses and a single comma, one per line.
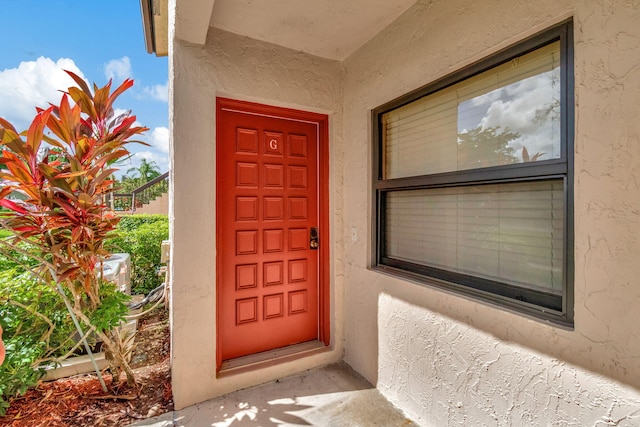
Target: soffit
(331,29)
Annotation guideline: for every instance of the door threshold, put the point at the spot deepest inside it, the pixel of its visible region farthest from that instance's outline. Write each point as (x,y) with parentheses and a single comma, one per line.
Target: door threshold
(271,357)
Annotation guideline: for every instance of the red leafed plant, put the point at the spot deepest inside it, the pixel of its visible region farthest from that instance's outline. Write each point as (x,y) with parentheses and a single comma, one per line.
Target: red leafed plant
(61,169)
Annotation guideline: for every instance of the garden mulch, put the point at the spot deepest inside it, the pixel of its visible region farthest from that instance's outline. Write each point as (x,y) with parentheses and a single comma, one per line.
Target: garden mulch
(79,401)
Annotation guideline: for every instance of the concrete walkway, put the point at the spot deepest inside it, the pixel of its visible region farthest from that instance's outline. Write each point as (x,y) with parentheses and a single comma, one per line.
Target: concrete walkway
(332,396)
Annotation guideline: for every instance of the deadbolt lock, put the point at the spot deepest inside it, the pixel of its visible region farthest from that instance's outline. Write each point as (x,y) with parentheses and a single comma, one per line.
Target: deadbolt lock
(313,238)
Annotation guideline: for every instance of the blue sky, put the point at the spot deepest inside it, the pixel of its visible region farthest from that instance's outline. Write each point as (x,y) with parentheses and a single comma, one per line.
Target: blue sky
(96,39)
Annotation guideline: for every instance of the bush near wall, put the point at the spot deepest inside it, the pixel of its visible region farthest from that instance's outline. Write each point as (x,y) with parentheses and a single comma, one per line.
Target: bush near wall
(23,331)
(141,236)
(133,222)
(37,327)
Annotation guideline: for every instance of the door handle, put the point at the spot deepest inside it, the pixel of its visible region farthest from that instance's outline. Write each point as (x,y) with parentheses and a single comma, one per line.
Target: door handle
(313,238)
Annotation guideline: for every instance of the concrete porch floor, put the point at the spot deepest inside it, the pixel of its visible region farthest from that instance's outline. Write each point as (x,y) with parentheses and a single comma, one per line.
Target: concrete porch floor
(334,395)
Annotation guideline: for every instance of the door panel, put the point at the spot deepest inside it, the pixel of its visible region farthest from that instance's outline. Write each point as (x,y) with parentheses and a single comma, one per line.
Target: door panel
(267,206)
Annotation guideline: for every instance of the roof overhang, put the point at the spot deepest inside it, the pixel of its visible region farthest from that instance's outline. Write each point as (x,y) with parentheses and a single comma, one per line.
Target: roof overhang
(155,25)
(332,29)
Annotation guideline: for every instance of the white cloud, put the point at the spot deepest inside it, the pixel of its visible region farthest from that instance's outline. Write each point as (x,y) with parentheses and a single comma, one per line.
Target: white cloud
(157,150)
(147,155)
(118,69)
(157,92)
(37,83)
(160,139)
(33,83)
(150,156)
(517,109)
(133,161)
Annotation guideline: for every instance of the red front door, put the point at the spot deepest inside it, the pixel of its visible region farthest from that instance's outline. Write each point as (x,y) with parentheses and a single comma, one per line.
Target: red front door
(268,217)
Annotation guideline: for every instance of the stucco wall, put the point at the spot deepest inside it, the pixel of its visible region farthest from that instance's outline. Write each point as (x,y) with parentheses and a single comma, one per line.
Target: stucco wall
(448,360)
(446,373)
(241,68)
(160,206)
(445,359)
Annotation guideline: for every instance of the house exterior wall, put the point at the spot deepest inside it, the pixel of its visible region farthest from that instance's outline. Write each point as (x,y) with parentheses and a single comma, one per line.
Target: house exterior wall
(159,206)
(443,358)
(236,67)
(449,360)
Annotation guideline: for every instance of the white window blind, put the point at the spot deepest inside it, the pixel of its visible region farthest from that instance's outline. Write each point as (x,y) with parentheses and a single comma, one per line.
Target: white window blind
(503,115)
(510,232)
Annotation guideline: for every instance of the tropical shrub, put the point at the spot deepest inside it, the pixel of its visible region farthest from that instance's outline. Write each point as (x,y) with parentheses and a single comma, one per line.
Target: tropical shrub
(37,328)
(17,373)
(62,167)
(132,222)
(35,325)
(141,236)
(138,176)
(19,258)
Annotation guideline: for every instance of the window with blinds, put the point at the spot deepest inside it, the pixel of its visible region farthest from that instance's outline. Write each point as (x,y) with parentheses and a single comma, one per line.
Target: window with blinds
(508,114)
(473,180)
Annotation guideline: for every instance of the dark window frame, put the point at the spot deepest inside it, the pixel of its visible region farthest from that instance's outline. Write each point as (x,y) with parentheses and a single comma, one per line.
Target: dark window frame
(558,310)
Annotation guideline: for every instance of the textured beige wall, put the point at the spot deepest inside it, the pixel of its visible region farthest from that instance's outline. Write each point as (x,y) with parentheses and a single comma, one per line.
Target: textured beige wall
(240,68)
(424,345)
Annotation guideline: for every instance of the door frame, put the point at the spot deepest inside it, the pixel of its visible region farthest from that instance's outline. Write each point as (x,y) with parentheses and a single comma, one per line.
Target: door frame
(322,125)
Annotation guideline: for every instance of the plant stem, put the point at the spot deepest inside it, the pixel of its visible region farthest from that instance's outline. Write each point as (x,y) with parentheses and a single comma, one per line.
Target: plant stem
(86,344)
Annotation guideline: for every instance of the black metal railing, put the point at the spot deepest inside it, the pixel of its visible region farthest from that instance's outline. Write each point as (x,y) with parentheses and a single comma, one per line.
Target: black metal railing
(129,202)
(119,202)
